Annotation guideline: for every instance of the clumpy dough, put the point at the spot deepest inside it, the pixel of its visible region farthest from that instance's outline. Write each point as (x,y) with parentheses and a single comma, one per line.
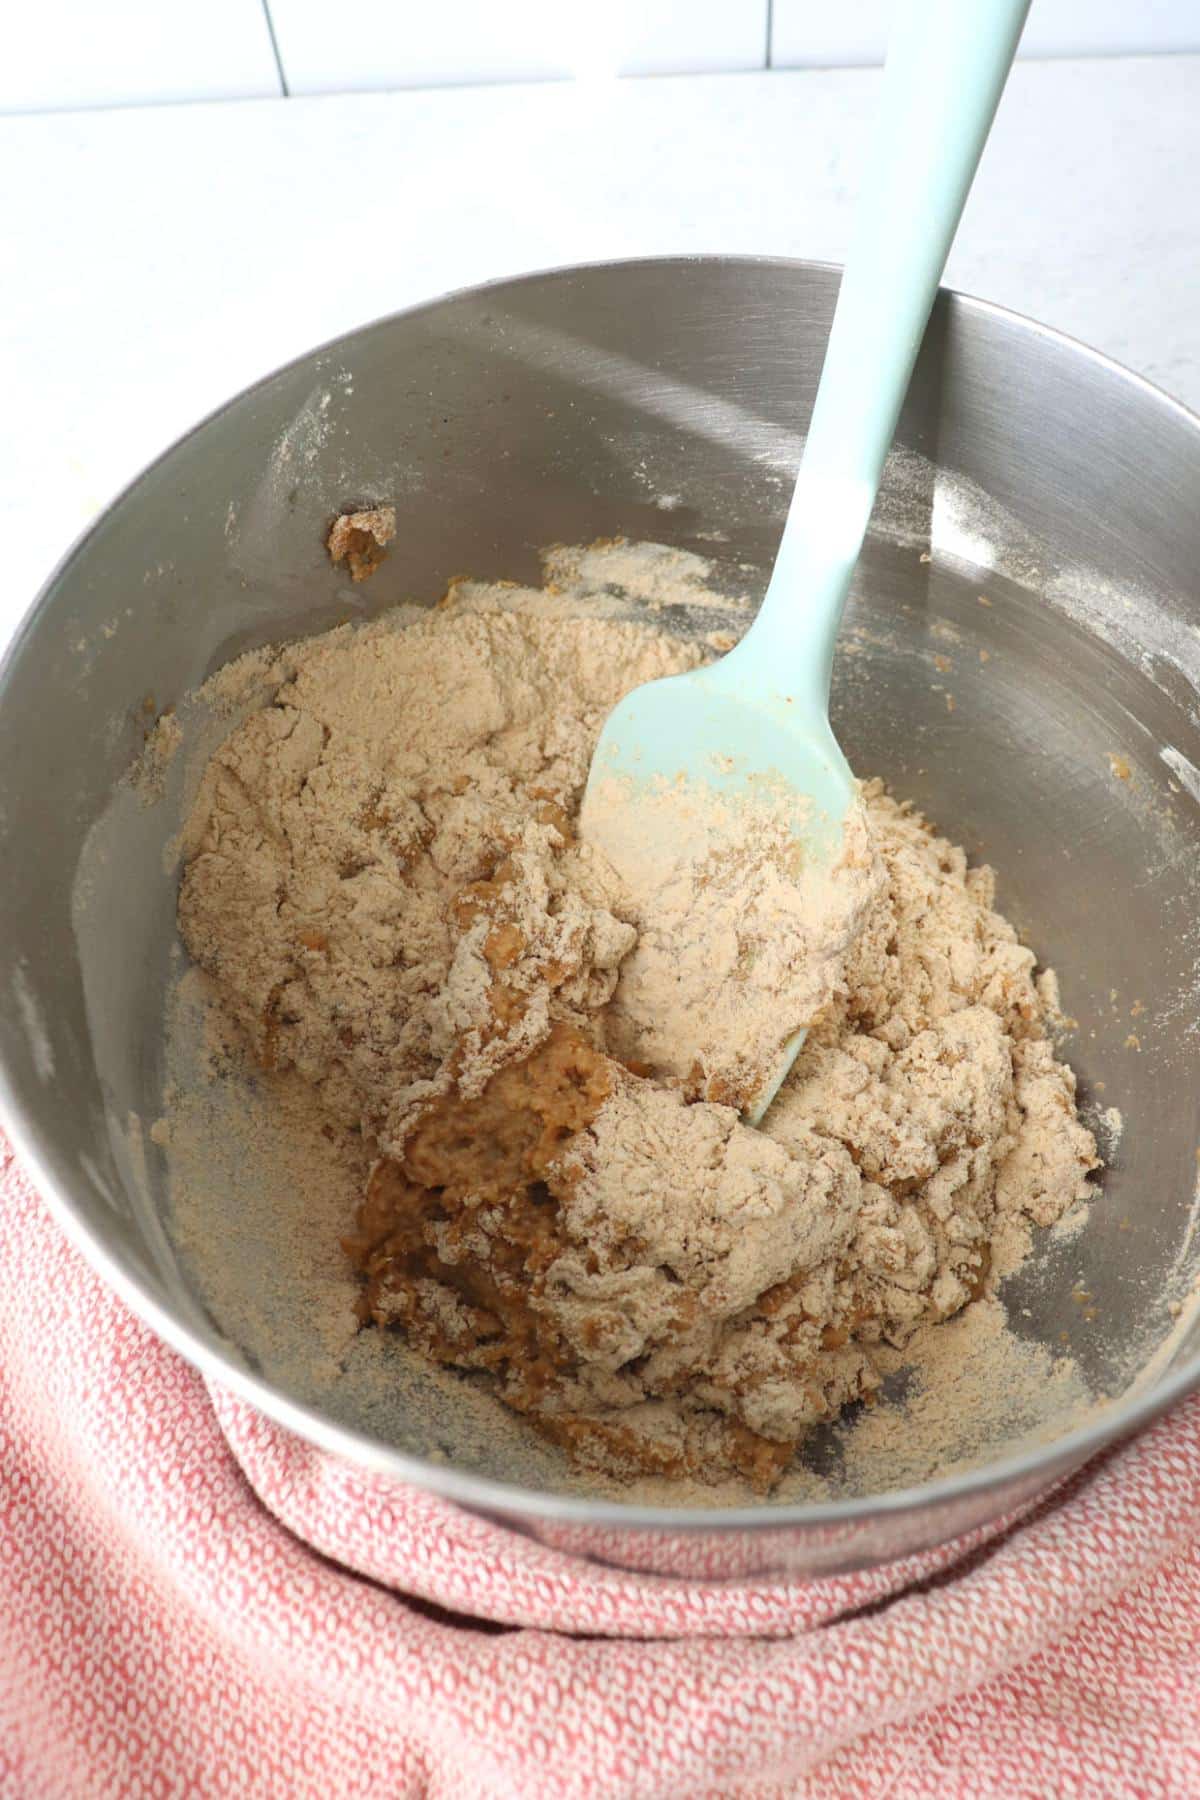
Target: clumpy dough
(360,540)
(383,876)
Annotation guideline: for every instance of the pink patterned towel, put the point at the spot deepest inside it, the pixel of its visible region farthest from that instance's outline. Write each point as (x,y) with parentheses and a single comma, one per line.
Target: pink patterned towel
(193,1602)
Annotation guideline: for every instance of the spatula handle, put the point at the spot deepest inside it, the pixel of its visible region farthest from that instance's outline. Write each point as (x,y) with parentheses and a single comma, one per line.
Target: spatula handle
(947,63)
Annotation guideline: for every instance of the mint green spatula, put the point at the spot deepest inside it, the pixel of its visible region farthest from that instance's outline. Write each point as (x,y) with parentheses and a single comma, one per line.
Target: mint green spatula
(759,717)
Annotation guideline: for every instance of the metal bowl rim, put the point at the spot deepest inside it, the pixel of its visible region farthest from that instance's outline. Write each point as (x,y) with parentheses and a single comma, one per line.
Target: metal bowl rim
(483,1493)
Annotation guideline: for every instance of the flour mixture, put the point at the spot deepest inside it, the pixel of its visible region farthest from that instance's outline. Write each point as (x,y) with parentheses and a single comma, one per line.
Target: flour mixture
(384,879)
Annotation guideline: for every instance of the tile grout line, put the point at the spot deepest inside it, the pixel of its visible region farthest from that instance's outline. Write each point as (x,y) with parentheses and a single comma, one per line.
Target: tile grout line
(767,63)
(283,86)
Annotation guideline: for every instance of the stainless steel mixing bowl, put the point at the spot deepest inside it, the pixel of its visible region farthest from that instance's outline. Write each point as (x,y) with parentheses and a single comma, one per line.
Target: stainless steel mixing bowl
(662,400)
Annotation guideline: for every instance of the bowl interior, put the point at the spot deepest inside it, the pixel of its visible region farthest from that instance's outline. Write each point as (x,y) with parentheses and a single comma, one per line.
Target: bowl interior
(1021,659)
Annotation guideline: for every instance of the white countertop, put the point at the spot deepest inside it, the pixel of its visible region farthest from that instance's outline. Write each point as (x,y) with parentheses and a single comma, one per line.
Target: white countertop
(154,261)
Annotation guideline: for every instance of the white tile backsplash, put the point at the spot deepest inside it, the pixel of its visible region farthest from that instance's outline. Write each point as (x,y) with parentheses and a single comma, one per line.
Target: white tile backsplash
(59,54)
(816,34)
(74,53)
(408,43)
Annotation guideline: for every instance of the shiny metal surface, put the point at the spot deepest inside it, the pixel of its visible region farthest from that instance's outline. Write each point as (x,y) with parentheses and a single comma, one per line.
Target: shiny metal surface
(565,406)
